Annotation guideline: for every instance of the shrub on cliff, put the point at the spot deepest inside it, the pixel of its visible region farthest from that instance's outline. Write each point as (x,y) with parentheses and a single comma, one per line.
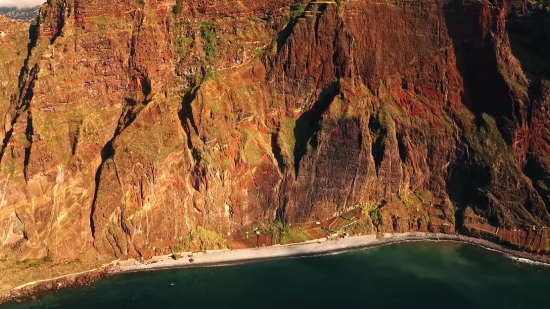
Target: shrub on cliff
(368,207)
(47,259)
(373,214)
(276,229)
(177,8)
(175,249)
(296,10)
(405,197)
(203,239)
(294,236)
(183,45)
(208,33)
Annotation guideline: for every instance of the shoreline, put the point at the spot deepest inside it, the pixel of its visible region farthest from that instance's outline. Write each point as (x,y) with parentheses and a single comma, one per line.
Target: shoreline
(313,248)
(217,258)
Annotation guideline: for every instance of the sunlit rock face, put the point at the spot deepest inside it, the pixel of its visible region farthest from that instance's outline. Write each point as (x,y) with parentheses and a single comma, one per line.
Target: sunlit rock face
(126,124)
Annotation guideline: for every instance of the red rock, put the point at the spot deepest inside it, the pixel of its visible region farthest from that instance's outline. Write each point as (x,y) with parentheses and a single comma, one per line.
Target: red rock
(129,127)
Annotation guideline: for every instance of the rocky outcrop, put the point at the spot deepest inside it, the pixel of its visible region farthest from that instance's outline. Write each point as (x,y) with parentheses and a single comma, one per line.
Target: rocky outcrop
(134,122)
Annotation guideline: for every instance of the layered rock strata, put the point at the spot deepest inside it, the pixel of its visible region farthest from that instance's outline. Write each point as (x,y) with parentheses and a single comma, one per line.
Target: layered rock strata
(128,124)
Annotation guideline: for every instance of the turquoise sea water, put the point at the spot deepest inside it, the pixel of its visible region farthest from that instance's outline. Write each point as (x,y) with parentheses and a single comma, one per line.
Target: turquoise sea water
(411,275)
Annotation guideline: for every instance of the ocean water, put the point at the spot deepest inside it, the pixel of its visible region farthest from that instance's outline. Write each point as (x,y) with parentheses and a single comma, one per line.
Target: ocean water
(411,275)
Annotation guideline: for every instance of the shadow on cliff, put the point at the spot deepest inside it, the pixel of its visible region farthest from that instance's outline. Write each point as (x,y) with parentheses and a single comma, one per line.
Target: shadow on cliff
(309,123)
(529,36)
(106,153)
(296,11)
(484,92)
(488,89)
(535,166)
(129,113)
(530,43)
(187,121)
(378,147)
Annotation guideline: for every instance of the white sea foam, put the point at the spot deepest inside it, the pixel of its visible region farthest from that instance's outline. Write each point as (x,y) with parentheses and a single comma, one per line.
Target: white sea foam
(526,261)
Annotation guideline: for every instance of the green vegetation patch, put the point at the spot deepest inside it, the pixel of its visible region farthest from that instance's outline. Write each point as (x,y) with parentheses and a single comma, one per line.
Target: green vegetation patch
(425,196)
(360,227)
(8,167)
(374,216)
(282,233)
(276,229)
(161,137)
(342,223)
(294,236)
(350,215)
(183,45)
(296,10)
(386,116)
(208,32)
(365,209)
(487,141)
(426,218)
(203,239)
(251,153)
(513,84)
(286,139)
(407,200)
(54,131)
(15,272)
(176,9)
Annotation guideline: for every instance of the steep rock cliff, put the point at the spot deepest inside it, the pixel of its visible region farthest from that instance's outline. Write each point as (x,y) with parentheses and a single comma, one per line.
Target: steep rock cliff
(133,122)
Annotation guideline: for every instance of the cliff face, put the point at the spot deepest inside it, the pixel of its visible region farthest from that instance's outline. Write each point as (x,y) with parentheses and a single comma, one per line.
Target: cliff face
(128,123)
